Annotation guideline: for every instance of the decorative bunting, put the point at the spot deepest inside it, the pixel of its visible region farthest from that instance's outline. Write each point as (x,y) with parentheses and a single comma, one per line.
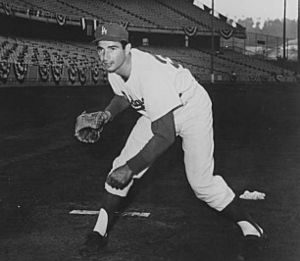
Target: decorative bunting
(82,75)
(61,19)
(95,74)
(20,70)
(72,71)
(240,28)
(226,33)
(190,30)
(223,17)
(124,24)
(4,70)
(57,72)
(7,9)
(44,72)
(206,8)
(105,76)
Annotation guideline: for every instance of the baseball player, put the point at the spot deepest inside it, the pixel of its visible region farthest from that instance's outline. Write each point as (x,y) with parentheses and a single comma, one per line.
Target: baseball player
(171,103)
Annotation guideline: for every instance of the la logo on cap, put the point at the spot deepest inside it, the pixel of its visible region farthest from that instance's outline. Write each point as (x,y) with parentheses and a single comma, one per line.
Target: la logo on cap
(103,30)
(111,32)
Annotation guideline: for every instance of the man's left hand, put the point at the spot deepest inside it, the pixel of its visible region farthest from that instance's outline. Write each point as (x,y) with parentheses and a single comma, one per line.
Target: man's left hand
(120,177)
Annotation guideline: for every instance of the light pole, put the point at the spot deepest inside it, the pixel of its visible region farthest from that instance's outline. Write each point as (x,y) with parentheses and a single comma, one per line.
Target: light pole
(212,43)
(284,29)
(298,37)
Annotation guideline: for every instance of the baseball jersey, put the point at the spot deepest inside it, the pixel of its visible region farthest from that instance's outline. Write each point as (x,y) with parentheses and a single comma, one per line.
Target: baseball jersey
(154,85)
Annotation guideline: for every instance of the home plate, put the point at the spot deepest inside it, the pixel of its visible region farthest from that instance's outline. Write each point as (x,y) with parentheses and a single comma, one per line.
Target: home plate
(123,214)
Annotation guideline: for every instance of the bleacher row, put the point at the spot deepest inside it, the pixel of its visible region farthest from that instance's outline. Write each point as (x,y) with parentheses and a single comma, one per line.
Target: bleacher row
(36,52)
(151,14)
(161,14)
(35,61)
(245,69)
(81,55)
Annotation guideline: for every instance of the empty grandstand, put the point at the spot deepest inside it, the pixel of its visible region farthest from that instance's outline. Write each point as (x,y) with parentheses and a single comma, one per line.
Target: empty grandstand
(49,41)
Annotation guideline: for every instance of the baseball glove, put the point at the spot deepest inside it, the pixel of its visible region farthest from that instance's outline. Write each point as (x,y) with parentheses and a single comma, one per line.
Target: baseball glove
(89,126)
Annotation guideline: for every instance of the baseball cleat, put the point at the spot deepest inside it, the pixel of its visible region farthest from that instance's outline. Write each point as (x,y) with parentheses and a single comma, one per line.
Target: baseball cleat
(93,244)
(252,245)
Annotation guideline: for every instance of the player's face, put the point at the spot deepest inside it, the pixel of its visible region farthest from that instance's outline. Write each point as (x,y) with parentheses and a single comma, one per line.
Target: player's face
(111,55)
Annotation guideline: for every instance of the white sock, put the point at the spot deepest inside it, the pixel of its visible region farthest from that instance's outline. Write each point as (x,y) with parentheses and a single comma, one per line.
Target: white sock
(102,222)
(248,229)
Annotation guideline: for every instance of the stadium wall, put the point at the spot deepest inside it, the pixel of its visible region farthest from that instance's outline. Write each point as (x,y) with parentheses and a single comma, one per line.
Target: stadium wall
(167,39)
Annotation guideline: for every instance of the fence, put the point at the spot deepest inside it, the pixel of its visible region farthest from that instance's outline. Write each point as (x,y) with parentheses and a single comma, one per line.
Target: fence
(263,45)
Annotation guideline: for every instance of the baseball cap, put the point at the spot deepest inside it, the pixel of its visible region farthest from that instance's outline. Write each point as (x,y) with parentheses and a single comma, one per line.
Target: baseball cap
(111,32)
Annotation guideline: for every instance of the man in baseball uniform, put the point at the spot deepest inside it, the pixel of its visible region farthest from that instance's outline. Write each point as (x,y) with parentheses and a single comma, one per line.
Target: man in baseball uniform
(171,103)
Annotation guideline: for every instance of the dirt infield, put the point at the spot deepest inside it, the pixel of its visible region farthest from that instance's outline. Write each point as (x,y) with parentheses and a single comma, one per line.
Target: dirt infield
(45,173)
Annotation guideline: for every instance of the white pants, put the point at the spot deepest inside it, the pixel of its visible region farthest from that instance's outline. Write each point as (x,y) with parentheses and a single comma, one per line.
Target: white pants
(193,123)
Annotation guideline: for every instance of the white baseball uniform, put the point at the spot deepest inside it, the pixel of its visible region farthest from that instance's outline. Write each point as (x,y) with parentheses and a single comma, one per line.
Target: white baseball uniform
(155,87)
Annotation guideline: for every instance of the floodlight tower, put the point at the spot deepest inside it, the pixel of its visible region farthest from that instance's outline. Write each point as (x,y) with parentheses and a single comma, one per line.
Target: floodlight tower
(298,37)
(284,29)
(212,42)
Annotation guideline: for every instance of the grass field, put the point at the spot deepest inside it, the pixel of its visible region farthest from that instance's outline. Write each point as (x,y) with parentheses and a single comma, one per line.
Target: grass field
(47,173)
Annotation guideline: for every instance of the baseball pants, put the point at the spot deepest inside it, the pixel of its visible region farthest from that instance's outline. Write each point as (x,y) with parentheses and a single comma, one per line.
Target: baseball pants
(193,122)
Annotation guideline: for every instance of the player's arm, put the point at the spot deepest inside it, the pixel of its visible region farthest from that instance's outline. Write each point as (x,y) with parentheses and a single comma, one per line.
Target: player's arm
(164,135)
(117,104)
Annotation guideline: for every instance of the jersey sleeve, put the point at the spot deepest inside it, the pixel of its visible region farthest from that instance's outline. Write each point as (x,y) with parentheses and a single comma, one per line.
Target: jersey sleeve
(160,96)
(116,105)
(115,84)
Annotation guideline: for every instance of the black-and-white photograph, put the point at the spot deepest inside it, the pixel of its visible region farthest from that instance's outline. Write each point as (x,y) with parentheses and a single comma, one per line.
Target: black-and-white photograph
(149,130)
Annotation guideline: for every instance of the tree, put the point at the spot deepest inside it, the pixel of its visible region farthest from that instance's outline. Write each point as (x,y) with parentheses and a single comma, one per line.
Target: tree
(271,27)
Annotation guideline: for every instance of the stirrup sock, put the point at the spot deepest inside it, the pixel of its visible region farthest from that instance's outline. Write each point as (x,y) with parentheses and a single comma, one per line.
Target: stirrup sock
(102,222)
